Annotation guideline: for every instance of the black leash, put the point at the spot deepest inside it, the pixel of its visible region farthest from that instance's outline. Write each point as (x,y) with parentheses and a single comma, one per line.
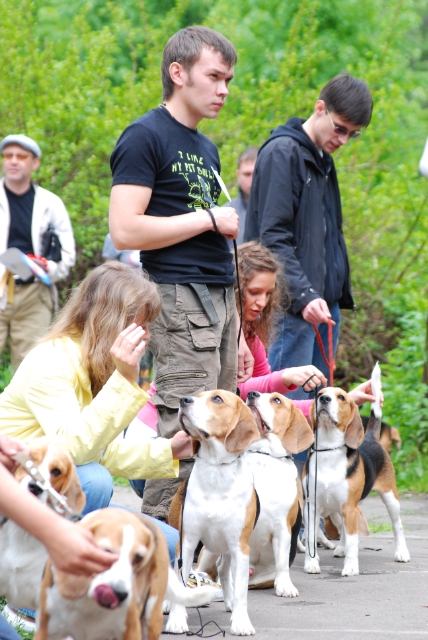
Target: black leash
(235,249)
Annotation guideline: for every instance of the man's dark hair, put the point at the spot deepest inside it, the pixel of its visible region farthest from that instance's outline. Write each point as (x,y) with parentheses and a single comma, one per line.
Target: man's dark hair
(185,47)
(248,155)
(349,98)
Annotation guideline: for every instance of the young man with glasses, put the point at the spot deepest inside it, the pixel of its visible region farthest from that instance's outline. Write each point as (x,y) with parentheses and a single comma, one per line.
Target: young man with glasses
(295,210)
(26,212)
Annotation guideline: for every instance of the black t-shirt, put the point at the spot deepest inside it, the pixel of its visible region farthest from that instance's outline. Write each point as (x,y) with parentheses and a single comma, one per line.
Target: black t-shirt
(21,215)
(175,162)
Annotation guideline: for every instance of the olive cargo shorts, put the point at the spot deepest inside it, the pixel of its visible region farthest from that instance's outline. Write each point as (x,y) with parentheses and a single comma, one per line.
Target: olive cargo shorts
(191,356)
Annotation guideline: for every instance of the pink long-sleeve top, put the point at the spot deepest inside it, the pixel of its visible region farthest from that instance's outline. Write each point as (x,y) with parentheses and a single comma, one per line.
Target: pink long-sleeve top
(264,381)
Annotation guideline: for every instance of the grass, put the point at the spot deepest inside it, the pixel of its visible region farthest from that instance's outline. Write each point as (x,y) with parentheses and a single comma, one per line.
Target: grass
(379,528)
(24,634)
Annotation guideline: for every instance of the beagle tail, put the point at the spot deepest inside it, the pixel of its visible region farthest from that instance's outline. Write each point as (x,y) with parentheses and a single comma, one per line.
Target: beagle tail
(374,423)
(189,597)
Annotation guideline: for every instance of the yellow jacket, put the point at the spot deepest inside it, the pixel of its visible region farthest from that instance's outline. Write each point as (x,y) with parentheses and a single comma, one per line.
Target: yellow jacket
(50,394)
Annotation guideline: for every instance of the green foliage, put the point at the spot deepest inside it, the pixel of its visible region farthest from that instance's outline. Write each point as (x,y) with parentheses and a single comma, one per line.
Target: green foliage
(79,72)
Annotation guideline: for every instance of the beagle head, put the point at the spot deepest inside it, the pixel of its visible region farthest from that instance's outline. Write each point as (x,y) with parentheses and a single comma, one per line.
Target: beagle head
(124,533)
(218,420)
(277,417)
(337,412)
(57,467)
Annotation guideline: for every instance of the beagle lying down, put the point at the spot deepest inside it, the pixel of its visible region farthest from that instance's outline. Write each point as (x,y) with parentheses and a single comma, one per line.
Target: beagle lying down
(22,557)
(349,465)
(220,503)
(124,602)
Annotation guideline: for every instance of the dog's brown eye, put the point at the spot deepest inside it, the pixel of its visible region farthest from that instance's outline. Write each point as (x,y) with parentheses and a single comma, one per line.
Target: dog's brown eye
(137,559)
(341,397)
(217,399)
(277,400)
(56,472)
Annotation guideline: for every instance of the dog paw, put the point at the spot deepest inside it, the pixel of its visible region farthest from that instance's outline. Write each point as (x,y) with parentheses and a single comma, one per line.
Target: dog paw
(240,625)
(166,606)
(328,544)
(228,604)
(286,589)
(312,566)
(402,555)
(351,569)
(339,552)
(177,621)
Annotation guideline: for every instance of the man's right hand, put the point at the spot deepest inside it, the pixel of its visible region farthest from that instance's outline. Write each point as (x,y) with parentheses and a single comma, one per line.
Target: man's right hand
(227,221)
(317,311)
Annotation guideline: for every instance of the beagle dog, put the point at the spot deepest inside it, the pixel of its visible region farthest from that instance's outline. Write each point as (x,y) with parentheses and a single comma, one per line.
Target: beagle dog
(125,601)
(22,557)
(283,430)
(389,436)
(219,506)
(347,465)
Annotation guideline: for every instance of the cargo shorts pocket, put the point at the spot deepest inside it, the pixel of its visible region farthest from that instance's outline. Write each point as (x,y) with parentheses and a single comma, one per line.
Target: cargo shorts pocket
(202,336)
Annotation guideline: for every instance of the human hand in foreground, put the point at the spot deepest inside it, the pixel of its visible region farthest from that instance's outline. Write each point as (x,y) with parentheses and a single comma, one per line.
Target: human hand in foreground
(300,375)
(181,446)
(8,448)
(227,221)
(127,350)
(73,549)
(317,311)
(363,393)
(245,361)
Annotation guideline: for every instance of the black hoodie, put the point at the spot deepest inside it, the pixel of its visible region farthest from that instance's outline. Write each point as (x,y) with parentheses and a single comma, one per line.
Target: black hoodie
(294,209)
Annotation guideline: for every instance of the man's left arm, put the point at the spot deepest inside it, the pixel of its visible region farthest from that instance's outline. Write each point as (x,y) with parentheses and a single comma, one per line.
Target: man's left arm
(62,226)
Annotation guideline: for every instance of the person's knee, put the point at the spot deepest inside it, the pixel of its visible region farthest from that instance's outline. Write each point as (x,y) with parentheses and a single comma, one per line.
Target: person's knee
(97,485)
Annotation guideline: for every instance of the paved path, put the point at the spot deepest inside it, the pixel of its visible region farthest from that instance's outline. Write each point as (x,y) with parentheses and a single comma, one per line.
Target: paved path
(388,600)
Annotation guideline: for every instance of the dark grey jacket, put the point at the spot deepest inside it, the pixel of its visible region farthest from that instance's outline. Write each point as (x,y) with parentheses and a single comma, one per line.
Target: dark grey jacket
(286,212)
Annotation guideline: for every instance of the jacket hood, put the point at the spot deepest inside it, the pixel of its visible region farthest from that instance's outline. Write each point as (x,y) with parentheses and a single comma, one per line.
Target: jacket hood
(293,129)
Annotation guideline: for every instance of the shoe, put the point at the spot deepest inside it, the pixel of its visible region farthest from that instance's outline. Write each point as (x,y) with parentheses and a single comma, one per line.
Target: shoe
(200,579)
(23,619)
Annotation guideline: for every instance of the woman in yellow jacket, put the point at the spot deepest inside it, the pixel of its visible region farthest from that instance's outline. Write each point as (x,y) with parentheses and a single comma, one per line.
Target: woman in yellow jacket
(78,384)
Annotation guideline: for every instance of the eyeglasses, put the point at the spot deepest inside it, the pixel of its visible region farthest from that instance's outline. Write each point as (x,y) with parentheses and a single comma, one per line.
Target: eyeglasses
(342,131)
(18,156)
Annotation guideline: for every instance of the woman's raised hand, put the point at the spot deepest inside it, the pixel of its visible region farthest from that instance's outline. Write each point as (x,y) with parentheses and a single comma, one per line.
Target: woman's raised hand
(307,377)
(127,350)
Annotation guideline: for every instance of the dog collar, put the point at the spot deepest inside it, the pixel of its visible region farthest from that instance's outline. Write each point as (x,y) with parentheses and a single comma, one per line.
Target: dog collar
(312,450)
(265,453)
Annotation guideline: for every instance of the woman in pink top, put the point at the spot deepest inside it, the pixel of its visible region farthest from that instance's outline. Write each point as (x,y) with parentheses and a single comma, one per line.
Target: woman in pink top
(264,290)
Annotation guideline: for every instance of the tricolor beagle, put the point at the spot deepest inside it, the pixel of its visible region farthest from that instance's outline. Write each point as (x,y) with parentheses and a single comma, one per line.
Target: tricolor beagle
(348,465)
(220,505)
(22,557)
(124,602)
(283,430)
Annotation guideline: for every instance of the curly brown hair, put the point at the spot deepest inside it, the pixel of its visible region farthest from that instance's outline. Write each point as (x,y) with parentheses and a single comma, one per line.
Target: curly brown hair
(252,258)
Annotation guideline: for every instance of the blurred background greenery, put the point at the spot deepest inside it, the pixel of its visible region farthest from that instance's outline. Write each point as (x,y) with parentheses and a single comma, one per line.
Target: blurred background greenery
(76,73)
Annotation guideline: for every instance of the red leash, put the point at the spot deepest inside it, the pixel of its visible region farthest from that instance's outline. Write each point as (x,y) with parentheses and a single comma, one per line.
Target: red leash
(331,364)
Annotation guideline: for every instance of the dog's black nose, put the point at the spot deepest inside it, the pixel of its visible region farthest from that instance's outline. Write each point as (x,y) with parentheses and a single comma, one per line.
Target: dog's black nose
(185,400)
(325,399)
(34,488)
(121,595)
(253,394)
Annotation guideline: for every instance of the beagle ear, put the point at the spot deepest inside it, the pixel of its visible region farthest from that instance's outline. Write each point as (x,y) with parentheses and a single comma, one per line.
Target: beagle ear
(298,436)
(311,417)
(354,434)
(73,491)
(243,433)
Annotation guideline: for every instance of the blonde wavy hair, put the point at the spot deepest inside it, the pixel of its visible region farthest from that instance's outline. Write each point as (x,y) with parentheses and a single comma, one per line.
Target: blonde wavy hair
(253,258)
(109,299)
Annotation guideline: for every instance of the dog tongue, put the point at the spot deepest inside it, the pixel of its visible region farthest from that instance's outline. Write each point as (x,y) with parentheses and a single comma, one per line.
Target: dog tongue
(105,596)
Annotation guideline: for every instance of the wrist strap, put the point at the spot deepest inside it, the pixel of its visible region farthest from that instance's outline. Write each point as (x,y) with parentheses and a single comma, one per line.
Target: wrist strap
(213,220)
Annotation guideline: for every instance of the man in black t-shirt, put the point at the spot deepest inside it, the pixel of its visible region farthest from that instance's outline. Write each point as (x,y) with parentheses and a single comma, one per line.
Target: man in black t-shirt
(26,212)
(164,202)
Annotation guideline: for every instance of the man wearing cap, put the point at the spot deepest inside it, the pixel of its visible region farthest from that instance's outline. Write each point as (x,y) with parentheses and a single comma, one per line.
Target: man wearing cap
(26,212)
